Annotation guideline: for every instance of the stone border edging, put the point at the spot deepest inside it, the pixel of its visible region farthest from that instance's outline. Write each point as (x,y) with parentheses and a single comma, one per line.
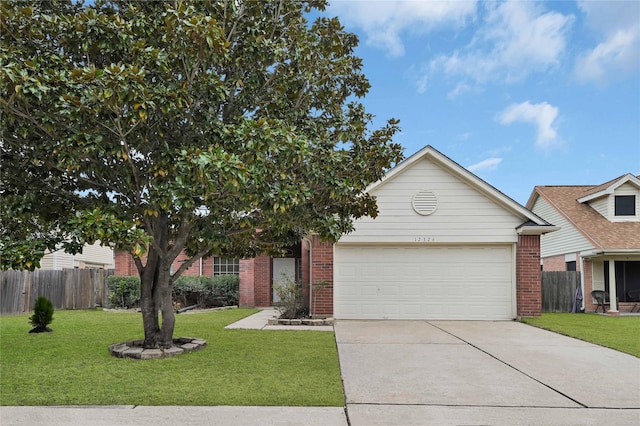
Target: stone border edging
(133,349)
(304,321)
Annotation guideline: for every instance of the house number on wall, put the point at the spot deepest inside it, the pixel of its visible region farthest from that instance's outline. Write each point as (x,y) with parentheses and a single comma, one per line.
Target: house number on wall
(425,239)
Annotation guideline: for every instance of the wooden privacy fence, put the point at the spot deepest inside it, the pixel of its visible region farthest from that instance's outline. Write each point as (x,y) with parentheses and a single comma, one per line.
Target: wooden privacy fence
(67,289)
(559,290)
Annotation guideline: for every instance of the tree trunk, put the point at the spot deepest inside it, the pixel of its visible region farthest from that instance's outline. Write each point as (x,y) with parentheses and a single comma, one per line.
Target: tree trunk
(155,294)
(155,299)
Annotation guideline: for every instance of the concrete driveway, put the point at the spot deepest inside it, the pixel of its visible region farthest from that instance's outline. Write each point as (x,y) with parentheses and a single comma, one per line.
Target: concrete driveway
(478,373)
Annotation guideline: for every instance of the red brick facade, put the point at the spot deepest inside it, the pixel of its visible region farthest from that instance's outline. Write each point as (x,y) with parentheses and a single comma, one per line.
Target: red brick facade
(558,263)
(247,288)
(124,264)
(589,306)
(528,277)
(322,273)
(262,281)
(256,276)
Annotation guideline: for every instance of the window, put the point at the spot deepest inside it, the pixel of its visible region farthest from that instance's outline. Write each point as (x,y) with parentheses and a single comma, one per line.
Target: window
(226,266)
(627,280)
(625,205)
(571,266)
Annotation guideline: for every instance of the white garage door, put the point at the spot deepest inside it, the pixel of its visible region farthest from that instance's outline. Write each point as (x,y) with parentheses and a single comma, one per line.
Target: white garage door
(417,282)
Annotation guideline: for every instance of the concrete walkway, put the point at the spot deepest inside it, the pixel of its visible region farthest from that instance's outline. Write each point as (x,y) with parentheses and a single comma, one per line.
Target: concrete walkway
(482,372)
(172,416)
(259,321)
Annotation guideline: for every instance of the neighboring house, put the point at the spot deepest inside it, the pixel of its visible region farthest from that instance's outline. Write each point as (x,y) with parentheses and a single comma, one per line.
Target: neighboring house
(93,256)
(445,245)
(599,236)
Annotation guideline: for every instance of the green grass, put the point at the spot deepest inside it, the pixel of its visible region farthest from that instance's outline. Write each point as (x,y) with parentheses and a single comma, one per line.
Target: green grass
(72,365)
(621,333)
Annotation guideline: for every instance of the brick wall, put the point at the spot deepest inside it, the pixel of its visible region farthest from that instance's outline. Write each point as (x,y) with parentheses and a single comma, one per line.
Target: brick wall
(262,281)
(554,263)
(124,264)
(207,267)
(558,263)
(322,271)
(528,276)
(192,270)
(589,306)
(247,299)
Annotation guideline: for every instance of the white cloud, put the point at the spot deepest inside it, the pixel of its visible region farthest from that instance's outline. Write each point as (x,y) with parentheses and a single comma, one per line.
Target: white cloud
(421,83)
(385,21)
(485,165)
(542,115)
(618,54)
(460,88)
(463,136)
(516,39)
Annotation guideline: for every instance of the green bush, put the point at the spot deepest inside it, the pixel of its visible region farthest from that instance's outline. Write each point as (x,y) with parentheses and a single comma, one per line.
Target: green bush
(227,289)
(190,289)
(124,292)
(221,290)
(42,315)
(290,295)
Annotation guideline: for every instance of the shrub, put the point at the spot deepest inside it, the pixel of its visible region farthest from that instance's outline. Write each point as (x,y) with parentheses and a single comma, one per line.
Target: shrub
(124,292)
(42,315)
(227,289)
(290,295)
(193,288)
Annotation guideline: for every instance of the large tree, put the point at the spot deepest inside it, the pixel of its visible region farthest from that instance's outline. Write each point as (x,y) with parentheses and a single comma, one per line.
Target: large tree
(213,127)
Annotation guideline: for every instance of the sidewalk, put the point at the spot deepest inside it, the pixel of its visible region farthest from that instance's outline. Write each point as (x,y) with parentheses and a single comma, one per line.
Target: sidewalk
(259,321)
(170,416)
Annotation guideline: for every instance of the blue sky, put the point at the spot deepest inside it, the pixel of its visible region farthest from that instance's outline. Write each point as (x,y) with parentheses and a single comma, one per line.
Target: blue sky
(520,93)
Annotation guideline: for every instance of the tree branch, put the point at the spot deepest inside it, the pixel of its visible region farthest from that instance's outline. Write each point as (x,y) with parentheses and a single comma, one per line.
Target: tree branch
(188,263)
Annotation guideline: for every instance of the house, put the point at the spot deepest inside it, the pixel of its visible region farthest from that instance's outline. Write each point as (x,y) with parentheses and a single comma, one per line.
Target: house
(93,256)
(599,236)
(445,245)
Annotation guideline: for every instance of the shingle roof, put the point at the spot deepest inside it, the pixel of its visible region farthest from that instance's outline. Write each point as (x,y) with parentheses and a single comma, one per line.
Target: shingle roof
(596,228)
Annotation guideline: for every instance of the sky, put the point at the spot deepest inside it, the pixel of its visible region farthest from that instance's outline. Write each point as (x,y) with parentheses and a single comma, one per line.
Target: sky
(520,93)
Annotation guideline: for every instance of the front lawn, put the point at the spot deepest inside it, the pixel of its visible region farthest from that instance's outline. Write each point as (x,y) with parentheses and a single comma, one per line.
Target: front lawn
(621,333)
(72,365)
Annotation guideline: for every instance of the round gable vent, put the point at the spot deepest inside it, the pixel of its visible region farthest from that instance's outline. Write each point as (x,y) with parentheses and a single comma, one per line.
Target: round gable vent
(424,203)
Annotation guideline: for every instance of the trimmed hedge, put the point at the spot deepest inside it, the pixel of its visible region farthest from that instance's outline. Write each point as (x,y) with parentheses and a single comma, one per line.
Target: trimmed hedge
(221,290)
(124,291)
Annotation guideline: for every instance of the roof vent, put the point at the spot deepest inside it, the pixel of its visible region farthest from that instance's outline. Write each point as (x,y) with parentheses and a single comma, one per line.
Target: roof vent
(424,203)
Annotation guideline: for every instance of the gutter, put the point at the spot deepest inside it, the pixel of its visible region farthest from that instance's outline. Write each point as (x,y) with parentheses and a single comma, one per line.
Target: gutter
(614,252)
(310,275)
(536,229)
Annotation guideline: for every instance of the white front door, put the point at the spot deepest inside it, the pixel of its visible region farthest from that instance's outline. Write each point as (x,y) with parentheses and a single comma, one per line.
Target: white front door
(283,270)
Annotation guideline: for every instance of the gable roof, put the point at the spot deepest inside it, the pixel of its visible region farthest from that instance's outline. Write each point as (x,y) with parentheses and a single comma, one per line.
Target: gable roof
(602,233)
(532,223)
(607,188)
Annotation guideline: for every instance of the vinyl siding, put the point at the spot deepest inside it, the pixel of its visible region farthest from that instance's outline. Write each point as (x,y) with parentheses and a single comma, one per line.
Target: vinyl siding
(463,214)
(625,189)
(566,240)
(602,205)
(57,260)
(94,255)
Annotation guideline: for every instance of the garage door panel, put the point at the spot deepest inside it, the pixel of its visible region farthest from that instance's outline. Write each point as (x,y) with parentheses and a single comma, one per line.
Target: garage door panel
(423,282)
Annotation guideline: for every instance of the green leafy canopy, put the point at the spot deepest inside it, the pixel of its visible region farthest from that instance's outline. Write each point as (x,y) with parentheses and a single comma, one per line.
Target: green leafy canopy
(227,127)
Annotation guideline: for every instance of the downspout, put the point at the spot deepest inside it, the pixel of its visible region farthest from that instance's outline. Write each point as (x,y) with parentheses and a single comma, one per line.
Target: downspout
(200,266)
(310,275)
(582,305)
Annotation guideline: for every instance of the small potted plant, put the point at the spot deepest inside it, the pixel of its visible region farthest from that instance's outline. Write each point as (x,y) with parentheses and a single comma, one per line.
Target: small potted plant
(42,315)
